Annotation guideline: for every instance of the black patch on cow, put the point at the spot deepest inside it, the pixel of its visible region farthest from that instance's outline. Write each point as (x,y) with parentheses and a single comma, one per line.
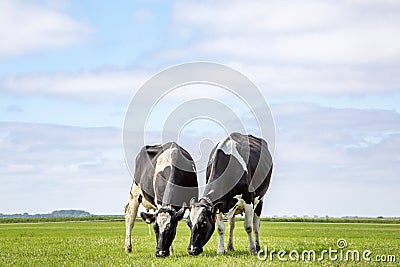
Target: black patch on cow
(258,209)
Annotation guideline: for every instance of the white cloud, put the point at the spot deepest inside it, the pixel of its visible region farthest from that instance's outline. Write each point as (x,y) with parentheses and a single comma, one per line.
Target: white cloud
(55,166)
(273,80)
(344,46)
(90,85)
(254,17)
(331,161)
(25,27)
(320,143)
(293,31)
(299,80)
(24,143)
(295,48)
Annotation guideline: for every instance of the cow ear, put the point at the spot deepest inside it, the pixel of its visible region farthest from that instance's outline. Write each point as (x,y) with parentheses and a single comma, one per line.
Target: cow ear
(180,213)
(148,217)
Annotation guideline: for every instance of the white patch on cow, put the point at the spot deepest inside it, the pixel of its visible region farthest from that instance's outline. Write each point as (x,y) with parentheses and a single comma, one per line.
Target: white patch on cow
(256,201)
(147,205)
(248,226)
(163,161)
(230,237)
(130,214)
(136,191)
(221,231)
(238,208)
(248,215)
(163,220)
(228,146)
(195,213)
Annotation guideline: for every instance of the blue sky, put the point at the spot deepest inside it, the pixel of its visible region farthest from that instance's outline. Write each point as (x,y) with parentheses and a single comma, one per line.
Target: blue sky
(329,70)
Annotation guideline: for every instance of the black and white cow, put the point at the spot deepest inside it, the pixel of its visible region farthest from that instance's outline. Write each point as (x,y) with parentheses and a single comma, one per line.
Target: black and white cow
(164,178)
(238,176)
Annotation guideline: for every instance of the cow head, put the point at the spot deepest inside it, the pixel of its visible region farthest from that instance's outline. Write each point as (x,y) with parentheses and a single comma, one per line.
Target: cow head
(165,222)
(202,225)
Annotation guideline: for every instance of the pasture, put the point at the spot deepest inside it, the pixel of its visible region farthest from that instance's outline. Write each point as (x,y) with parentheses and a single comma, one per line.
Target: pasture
(97,243)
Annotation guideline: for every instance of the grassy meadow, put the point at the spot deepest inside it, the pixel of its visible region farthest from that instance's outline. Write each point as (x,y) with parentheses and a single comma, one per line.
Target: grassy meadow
(98,243)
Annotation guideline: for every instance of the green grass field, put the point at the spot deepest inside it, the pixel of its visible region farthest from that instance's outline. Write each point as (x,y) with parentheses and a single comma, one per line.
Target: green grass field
(101,244)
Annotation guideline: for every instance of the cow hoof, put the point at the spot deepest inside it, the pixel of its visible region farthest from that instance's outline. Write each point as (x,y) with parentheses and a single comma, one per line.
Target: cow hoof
(253,250)
(230,247)
(221,252)
(128,248)
(162,253)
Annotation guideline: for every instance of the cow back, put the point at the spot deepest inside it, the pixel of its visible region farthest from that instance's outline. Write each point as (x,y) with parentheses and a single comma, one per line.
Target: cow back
(166,174)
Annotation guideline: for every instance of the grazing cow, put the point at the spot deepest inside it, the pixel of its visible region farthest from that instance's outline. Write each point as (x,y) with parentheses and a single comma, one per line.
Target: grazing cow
(164,178)
(238,176)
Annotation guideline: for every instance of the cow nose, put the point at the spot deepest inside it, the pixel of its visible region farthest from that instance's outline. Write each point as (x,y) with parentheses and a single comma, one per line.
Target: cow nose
(162,253)
(194,251)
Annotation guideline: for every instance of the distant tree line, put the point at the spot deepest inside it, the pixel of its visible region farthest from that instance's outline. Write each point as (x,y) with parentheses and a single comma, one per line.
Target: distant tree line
(54,214)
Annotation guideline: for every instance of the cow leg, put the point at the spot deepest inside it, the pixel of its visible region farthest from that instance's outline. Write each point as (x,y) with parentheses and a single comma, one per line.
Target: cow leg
(221,230)
(256,223)
(230,238)
(131,210)
(256,228)
(248,226)
(171,250)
